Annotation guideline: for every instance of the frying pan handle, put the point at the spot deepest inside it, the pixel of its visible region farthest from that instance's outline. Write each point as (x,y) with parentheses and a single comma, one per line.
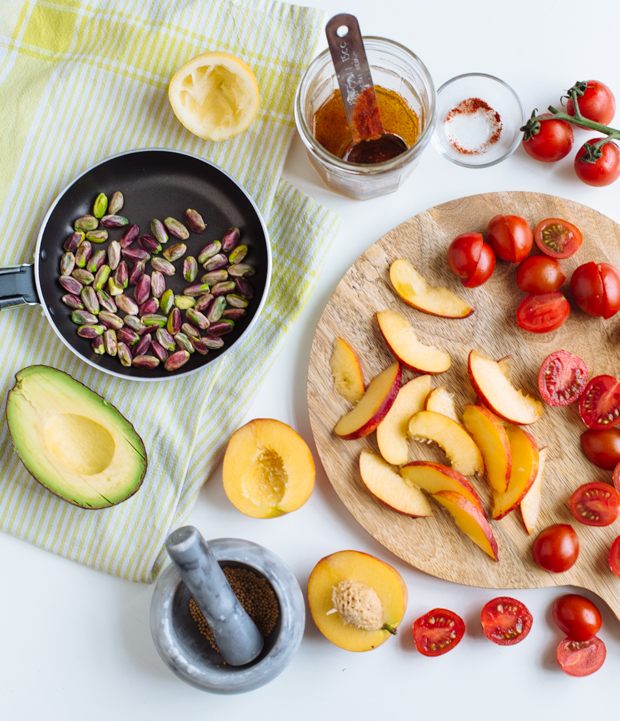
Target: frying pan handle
(17,286)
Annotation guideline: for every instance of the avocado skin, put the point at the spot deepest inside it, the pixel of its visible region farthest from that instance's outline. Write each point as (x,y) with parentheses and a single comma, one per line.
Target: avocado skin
(81,398)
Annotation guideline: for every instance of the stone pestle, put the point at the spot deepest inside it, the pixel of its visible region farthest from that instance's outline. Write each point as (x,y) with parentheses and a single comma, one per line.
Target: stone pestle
(236,635)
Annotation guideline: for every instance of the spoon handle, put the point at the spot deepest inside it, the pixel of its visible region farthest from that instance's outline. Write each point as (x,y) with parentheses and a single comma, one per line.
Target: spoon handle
(347,50)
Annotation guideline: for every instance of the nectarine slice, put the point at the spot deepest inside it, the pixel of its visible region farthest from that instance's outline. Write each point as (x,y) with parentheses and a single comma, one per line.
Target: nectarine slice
(356,600)
(498,394)
(347,372)
(492,440)
(523,473)
(441,401)
(470,520)
(391,488)
(435,477)
(404,344)
(416,292)
(531,504)
(268,469)
(393,430)
(373,407)
(463,453)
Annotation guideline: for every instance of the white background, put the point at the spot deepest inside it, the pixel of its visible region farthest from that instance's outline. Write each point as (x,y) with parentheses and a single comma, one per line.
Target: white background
(75,643)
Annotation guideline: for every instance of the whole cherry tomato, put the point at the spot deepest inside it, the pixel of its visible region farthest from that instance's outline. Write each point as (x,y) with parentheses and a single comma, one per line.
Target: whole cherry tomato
(510,237)
(599,405)
(543,313)
(604,170)
(556,548)
(597,103)
(602,447)
(552,142)
(438,632)
(581,658)
(540,274)
(577,617)
(596,289)
(595,504)
(557,238)
(562,378)
(471,259)
(505,621)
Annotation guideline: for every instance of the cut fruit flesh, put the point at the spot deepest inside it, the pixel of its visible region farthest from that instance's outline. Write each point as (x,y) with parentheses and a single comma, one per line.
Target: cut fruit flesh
(532,502)
(360,568)
(498,394)
(524,453)
(464,455)
(373,407)
(435,477)
(393,430)
(345,365)
(492,440)
(404,344)
(416,292)
(470,520)
(268,469)
(391,488)
(72,441)
(441,401)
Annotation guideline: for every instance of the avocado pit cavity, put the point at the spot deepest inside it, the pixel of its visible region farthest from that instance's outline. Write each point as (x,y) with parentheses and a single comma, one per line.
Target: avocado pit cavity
(79,442)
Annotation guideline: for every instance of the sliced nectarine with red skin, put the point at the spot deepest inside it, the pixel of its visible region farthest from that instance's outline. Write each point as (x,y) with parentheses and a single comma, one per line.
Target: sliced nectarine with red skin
(404,344)
(470,520)
(440,400)
(363,577)
(491,438)
(373,407)
(532,502)
(435,477)
(393,430)
(524,452)
(347,371)
(498,394)
(390,488)
(268,469)
(411,287)
(457,444)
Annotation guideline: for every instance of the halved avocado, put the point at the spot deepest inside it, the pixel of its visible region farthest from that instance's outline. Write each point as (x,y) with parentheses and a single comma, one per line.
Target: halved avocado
(73,441)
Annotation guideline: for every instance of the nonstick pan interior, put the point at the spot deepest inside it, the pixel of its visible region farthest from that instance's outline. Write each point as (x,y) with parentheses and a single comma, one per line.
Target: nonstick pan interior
(155,184)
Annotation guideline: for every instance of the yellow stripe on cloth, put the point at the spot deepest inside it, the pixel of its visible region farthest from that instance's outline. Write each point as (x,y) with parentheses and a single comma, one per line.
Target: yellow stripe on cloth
(80,81)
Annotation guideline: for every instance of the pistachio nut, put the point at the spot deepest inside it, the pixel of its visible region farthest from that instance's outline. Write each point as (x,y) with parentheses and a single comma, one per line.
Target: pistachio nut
(83,317)
(183,302)
(238,254)
(148,243)
(190,331)
(124,355)
(149,306)
(244,287)
(97,236)
(83,253)
(126,304)
(153,319)
(209,251)
(90,331)
(106,301)
(73,301)
(70,284)
(174,252)
(159,231)
(100,205)
(114,221)
(165,339)
(176,360)
(176,228)
(222,327)
(233,313)
(90,300)
(129,235)
(163,266)
(222,288)
(126,335)
(101,277)
(146,362)
(190,269)
(203,302)
(67,263)
(236,301)
(110,342)
(158,350)
(158,284)
(85,277)
(216,262)
(196,318)
(121,275)
(195,221)
(183,342)
(241,270)
(97,259)
(73,241)
(135,254)
(217,307)
(113,288)
(143,345)
(199,345)
(230,239)
(215,276)
(85,223)
(137,272)
(110,320)
(98,345)
(133,322)
(166,302)
(142,291)
(114,254)
(173,324)
(116,202)
(212,342)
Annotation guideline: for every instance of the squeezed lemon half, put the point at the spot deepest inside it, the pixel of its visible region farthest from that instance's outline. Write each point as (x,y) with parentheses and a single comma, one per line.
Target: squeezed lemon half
(215,95)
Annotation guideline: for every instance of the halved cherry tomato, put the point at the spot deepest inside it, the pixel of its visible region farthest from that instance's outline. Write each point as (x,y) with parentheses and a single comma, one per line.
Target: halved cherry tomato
(614,557)
(510,237)
(597,103)
(616,476)
(577,616)
(562,378)
(599,405)
(595,504)
(552,142)
(540,274)
(505,621)
(543,313)
(602,448)
(438,632)
(601,172)
(597,289)
(556,548)
(581,658)
(557,238)
(471,259)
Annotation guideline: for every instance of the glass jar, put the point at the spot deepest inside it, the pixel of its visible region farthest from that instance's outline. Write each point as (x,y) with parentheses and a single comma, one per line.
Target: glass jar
(393,67)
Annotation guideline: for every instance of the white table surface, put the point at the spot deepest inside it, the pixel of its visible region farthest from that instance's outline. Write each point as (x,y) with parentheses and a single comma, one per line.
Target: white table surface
(75,643)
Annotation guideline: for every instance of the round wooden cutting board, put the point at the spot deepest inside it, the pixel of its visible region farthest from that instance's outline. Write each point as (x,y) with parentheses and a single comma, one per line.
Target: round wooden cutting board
(434,544)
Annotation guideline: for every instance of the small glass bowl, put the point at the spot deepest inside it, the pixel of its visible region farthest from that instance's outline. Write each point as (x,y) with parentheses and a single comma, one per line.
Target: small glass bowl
(453,139)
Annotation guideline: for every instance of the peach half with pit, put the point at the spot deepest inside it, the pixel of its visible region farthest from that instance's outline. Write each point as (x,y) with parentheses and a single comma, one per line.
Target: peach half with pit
(356,600)
(268,469)
(412,288)
(347,371)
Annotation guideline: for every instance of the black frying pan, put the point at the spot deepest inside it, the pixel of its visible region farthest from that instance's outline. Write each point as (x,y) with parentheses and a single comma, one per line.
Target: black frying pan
(155,183)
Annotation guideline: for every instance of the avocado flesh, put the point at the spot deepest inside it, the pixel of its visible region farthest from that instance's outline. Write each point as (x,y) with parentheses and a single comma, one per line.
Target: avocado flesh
(72,441)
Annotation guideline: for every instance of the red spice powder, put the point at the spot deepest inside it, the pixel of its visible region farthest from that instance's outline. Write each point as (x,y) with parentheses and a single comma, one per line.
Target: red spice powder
(472,106)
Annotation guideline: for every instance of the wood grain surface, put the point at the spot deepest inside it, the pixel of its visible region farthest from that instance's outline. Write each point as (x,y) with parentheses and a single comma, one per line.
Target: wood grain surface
(434,544)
